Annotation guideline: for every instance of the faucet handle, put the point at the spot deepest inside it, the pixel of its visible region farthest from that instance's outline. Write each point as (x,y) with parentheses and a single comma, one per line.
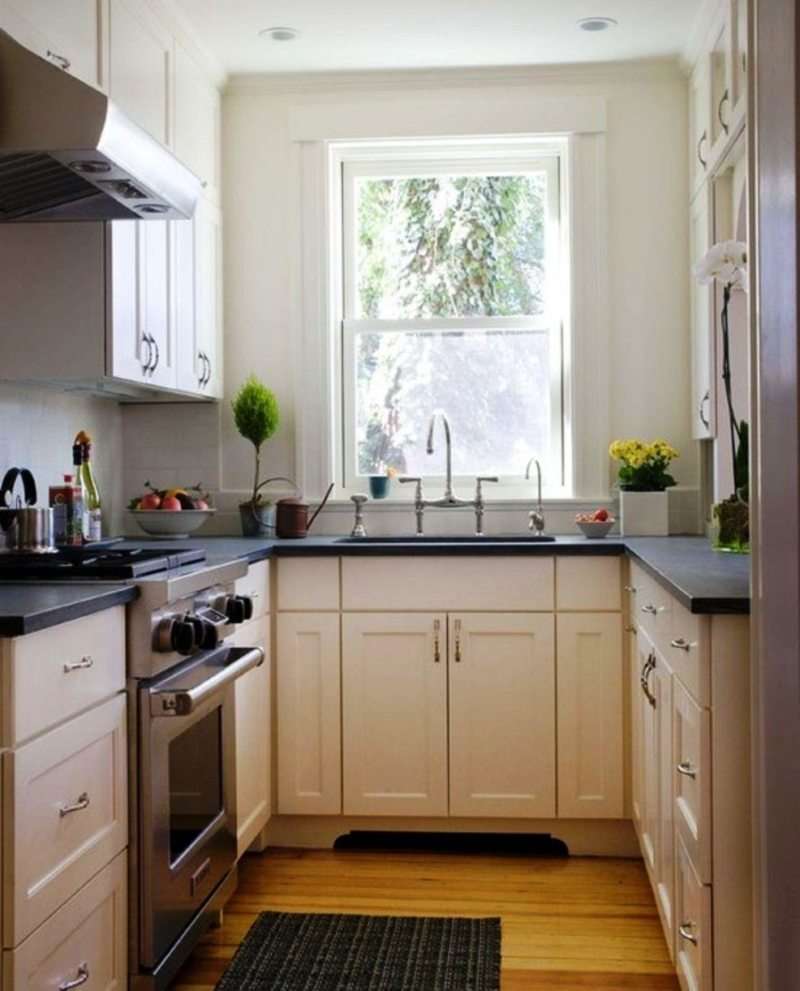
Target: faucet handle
(479,483)
(359,530)
(408,479)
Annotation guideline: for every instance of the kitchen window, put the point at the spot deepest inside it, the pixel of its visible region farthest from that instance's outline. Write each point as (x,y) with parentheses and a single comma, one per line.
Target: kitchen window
(454,288)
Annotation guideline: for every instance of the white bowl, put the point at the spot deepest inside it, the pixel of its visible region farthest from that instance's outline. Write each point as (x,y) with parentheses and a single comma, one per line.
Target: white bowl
(171,523)
(596,530)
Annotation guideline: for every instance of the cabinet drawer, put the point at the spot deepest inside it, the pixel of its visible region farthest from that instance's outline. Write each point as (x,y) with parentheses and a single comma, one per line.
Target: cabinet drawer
(81,663)
(588,583)
(255,584)
(65,796)
(308,583)
(86,936)
(462,584)
(689,652)
(693,950)
(654,607)
(692,746)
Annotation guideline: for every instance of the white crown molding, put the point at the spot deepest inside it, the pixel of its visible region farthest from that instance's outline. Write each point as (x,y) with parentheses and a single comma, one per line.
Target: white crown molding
(698,41)
(656,69)
(182,29)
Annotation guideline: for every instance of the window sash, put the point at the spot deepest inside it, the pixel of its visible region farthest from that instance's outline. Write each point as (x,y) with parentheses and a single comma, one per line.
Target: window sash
(503,160)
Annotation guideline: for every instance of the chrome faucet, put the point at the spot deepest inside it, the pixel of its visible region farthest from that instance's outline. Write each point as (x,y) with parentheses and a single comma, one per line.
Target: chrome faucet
(536,516)
(449,499)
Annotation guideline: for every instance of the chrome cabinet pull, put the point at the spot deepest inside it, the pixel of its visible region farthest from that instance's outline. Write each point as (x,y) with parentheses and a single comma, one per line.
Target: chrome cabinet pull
(437,653)
(703,137)
(146,365)
(686,769)
(723,100)
(649,665)
(685,930)
(60,60)
(458,641)
(202,375)
(701,409)
(158,355)
(81,665)
(680,644)
(208,374)
(648,607)
(630,629)
(630,588)
(82,803)
(81,978)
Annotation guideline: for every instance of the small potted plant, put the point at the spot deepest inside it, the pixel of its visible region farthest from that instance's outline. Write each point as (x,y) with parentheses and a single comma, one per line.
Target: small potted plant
(644,478)
(256,415)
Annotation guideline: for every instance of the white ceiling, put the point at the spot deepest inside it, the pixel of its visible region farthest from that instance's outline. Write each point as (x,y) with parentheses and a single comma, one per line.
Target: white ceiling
(404,34)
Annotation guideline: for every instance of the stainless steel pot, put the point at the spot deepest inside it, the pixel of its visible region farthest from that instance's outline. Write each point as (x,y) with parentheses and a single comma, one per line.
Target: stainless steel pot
(32,531)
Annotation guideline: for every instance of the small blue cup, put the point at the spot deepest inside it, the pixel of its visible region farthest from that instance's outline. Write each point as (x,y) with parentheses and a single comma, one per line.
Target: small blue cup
(379,486)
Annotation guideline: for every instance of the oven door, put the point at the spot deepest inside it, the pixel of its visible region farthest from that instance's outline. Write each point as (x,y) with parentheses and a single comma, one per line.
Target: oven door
(187,836)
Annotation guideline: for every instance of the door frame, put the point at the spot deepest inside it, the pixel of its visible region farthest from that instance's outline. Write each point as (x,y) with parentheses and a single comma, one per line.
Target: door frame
(775,97)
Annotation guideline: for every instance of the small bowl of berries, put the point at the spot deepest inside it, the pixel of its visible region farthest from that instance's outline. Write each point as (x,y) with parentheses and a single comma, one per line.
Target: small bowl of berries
(595,525)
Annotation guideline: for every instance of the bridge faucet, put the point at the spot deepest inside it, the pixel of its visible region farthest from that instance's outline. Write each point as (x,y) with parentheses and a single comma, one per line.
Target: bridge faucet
(536,516)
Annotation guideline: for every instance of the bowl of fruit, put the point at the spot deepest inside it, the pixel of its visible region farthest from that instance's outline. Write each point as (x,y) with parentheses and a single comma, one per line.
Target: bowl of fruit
(171,513)
(595,525)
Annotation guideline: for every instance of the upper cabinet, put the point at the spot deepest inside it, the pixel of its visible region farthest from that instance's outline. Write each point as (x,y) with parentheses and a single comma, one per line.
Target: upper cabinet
(140,66)
(699,121)
(149,317)
(722,76)
(66,32)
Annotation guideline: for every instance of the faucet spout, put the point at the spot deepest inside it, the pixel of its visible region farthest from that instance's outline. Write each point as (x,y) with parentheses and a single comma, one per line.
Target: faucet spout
(439,415)
(536,517)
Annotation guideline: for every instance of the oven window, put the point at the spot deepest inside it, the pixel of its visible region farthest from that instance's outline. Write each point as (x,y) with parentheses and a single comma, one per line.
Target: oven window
(195,782)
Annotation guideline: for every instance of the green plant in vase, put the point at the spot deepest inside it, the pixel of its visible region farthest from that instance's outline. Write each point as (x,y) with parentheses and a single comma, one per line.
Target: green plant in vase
(256,415)
(726,264)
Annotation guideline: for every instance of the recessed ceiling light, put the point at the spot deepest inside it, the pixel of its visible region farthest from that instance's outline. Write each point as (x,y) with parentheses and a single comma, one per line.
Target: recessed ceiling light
(596,23)
(279,33)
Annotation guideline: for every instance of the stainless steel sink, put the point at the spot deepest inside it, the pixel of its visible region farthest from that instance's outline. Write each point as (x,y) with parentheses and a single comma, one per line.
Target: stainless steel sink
(430,539)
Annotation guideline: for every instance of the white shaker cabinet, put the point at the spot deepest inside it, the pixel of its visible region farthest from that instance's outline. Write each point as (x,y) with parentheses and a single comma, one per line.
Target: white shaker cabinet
(589,690)
(394,714)
(502,715)
(700,139)
(701,317)
(68,33)
(309,716)
(197,121)
(722,82)
(140,66)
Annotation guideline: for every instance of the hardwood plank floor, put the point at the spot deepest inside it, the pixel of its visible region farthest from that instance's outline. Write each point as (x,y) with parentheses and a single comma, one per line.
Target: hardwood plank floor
(570,924)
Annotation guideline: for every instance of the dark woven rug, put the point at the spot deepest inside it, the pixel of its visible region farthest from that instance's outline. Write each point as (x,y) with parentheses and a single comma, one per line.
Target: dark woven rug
(298,952)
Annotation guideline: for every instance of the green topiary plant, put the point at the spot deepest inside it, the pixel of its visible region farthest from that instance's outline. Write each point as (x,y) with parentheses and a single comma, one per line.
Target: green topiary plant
(256,415)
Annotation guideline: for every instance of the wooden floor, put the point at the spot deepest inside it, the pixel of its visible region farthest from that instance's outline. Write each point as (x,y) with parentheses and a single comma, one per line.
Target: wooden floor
(572,923)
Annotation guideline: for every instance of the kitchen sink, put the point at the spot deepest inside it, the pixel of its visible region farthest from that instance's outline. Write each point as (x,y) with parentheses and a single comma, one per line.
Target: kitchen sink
(430,539)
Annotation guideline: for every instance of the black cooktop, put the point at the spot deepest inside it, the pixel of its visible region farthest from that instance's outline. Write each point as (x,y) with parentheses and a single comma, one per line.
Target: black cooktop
(97,563)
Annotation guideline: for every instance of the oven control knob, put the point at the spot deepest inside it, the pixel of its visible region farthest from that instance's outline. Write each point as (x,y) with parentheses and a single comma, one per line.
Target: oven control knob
(238,608)
(205,633)
(182,637)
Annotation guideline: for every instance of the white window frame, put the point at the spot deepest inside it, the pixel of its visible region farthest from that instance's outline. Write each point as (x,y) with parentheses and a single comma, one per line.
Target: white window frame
(348,164)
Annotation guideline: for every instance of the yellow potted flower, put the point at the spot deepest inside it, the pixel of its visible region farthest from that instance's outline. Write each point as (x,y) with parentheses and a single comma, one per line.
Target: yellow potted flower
(644,478)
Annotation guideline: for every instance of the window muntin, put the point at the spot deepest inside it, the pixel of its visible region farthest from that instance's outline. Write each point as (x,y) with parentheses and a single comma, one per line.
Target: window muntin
(453,301)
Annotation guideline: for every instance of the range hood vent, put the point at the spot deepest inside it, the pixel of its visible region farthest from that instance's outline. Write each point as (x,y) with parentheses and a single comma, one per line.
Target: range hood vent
(67,152)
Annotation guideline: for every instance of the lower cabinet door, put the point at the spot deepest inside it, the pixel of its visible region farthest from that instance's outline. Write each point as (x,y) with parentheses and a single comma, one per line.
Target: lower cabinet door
(662,770)
(84,944)
(66,796)
(394,714)
(502,715)
(309,714)
(637,743)
(589,691)
(253,737)
(693,952)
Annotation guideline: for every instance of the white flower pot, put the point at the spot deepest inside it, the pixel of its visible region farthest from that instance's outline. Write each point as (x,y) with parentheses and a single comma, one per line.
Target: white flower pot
(644,514)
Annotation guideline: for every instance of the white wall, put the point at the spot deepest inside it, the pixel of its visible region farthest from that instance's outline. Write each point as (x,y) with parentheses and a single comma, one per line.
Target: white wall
(37,427)
(647,240)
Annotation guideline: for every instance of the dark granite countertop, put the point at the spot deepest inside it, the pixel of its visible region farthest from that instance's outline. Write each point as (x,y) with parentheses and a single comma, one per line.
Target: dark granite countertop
(26,607)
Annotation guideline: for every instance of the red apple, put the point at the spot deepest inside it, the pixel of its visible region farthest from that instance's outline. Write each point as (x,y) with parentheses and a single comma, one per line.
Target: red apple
(171,503)
(150,501)
(601,515)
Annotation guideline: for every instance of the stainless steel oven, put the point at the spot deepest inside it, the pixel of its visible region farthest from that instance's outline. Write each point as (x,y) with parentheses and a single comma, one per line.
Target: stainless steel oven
(187,753)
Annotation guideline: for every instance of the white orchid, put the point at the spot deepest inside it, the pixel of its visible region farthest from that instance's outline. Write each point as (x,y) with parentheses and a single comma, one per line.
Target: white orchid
(724,262)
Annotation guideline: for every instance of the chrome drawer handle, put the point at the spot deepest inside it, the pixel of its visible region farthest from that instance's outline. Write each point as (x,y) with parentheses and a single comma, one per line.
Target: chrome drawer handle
(82,803)
(82,978)
(81,665)
(680,644)
(649,665)
(650,608)
(60,60)
(630,629)
(685,929)
(686,769)
(630,588)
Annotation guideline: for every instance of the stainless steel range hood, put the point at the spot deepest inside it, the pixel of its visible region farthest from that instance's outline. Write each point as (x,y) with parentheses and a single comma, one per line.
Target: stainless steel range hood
(68,153)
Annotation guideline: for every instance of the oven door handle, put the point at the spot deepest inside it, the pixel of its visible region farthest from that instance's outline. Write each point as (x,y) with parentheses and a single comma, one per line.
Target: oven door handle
(184,702)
